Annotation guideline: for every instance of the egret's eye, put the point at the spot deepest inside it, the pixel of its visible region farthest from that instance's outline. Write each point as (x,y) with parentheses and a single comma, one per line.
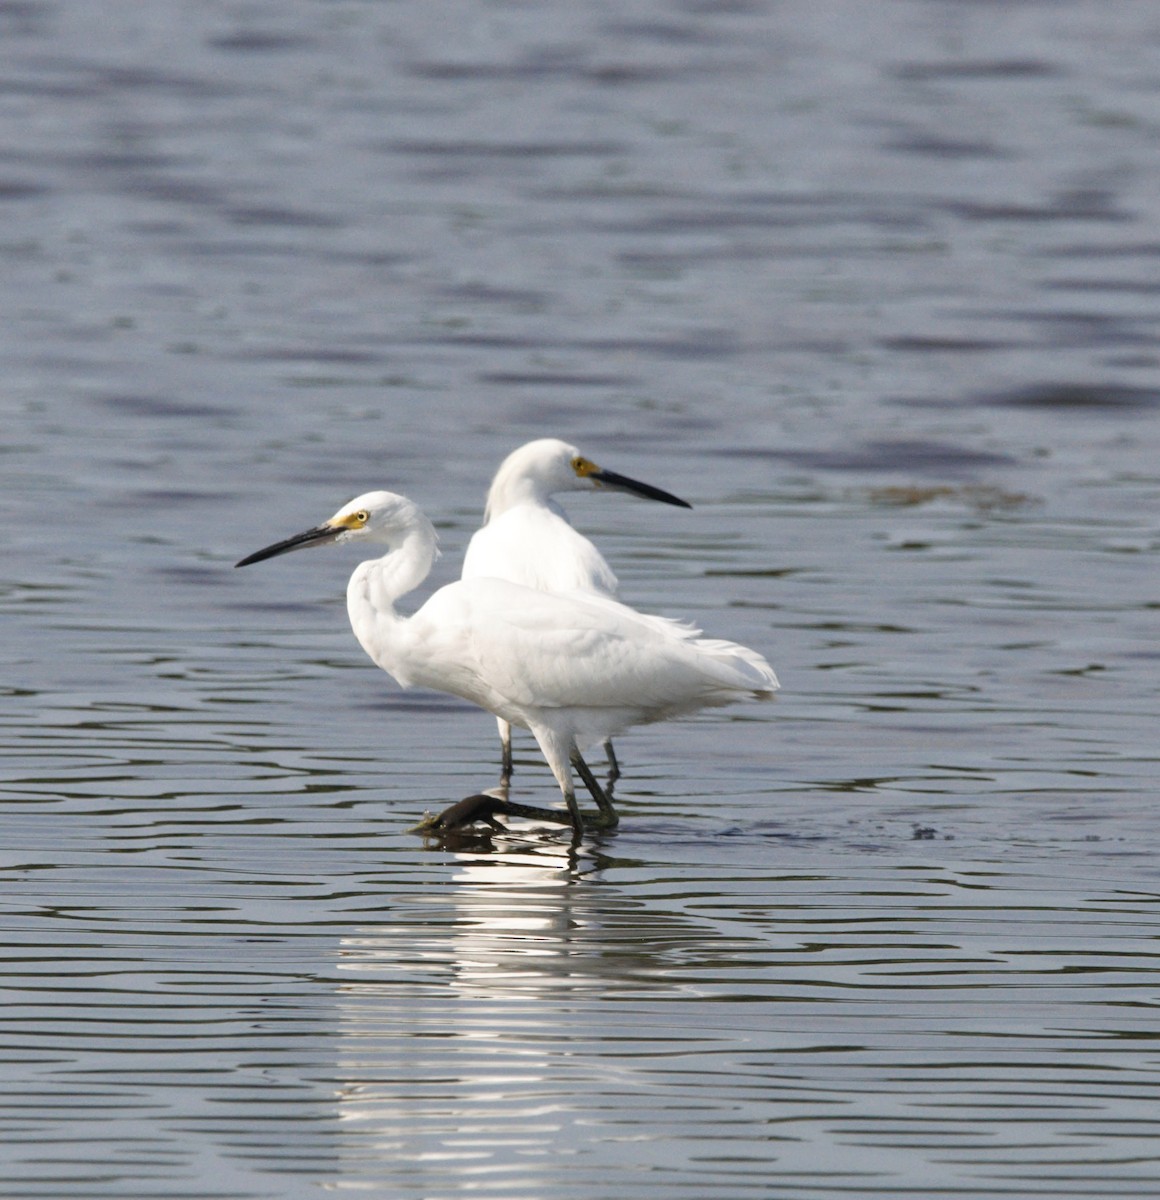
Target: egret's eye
(582,466)
(362,516)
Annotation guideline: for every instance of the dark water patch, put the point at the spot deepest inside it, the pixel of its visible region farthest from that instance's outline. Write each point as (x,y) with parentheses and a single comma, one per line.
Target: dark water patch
(856,626)
(946,148)
(37,596)
(122,161)
(243,247)
(555,379)
(320,354)
(1103,250)
(792,211)
(209,575)
(1126,287)
(689,344)
(22,189)
(1072,331)
(932,344)
(42,90)
(979,496)
(1081,204)
(985,70)
(1088,329)
(672,263)
(24,18)
(276,216)
(413,702)
(753,573)
(170,189)
(706,219)
(490,341)
(667,33)
(168,407)
(544,65)
(138,78)
(722,8)
(692,343)
(616,191)
(1065,397)
(499,149)
(155,498)
(562,65)
(883,456)
(480,292)
(258,41)
(852,202)
(634,73)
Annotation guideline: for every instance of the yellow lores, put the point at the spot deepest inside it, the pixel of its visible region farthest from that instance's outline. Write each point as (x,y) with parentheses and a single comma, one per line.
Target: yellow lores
(354,520)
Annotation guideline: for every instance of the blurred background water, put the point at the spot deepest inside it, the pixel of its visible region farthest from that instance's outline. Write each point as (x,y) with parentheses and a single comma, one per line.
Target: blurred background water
(874,286)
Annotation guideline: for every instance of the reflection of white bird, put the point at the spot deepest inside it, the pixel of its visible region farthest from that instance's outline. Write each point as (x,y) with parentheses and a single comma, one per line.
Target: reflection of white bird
(573,669)
(527,539)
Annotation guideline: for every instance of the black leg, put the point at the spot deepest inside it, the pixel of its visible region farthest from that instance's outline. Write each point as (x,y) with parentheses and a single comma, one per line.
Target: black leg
(485,807)
(505,762)
(613,769)
(608,817)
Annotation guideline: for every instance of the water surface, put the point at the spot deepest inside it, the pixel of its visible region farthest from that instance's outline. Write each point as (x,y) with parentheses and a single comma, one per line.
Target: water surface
(873,287)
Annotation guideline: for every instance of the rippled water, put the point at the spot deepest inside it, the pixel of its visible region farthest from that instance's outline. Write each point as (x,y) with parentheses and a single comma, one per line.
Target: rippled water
(874,287)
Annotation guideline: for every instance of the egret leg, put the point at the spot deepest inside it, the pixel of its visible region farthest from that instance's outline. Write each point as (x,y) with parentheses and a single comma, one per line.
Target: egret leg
(505,742)
(608,818)
(562,755)
(613,768)
(576,815)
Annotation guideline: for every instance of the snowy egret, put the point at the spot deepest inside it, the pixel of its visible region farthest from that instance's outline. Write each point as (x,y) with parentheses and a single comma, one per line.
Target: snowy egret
(526,537)
(574,669)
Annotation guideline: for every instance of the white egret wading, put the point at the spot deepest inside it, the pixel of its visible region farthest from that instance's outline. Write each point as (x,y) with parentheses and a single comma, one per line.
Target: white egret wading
(573,669)
(526,537)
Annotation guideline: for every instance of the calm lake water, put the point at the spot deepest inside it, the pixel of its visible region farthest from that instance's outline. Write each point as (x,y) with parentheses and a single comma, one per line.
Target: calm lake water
(875,287)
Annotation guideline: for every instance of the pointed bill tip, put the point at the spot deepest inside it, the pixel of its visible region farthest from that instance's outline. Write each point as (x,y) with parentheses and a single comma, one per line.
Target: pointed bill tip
(320,535)
(622,483)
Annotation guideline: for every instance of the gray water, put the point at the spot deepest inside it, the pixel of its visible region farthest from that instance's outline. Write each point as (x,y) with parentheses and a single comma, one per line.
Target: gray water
(874,286)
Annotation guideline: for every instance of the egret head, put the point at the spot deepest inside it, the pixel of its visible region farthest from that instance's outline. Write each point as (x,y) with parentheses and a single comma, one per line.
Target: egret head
(542,468)
(376,517)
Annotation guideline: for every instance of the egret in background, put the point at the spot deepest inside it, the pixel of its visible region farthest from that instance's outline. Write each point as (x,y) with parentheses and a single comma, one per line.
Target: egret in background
(575,669)
(527,538)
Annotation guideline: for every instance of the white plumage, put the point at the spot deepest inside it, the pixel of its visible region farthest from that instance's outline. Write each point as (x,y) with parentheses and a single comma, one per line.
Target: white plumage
(526,537)
(574,669)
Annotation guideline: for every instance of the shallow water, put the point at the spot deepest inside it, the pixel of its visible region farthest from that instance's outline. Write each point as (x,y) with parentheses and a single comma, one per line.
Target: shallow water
(873,287)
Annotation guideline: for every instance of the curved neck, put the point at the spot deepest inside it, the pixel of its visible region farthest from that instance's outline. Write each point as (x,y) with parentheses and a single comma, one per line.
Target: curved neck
(377,583)
(407,562)
(511,486)
(507,494)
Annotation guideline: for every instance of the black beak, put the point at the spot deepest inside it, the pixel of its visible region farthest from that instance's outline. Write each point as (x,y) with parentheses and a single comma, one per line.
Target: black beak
(318,536)
(622,483)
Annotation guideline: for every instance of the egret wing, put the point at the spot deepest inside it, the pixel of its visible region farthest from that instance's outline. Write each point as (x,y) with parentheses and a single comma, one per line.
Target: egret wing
(545,650)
